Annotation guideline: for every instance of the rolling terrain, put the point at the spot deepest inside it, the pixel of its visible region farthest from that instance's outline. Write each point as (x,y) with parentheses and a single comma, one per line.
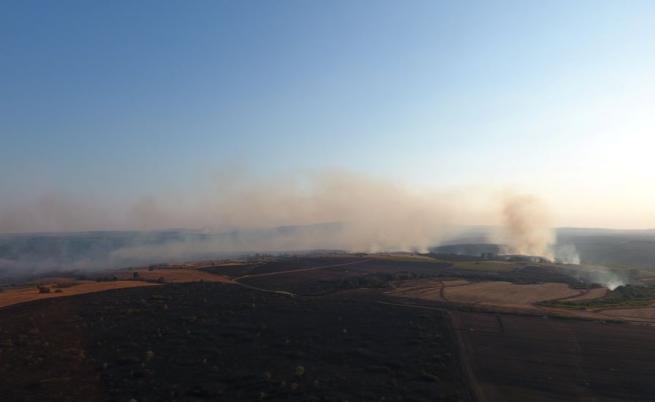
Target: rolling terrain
(324,327)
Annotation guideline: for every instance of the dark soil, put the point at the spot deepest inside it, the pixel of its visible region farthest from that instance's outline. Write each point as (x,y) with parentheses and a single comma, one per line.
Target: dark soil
(209,341)
(336,341)
(519,358)
(374,273)
(276,265)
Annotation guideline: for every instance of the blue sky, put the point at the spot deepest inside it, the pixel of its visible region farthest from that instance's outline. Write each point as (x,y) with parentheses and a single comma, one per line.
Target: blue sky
(126,99)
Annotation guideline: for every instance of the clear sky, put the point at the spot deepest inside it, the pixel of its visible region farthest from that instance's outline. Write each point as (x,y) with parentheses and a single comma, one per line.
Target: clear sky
(120,100)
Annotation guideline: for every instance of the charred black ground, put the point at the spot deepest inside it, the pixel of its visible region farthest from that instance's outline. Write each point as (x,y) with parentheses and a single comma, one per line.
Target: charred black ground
(319,328)
(222,342)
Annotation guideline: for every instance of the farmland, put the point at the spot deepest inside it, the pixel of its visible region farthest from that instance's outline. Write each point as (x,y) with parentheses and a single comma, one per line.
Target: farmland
(325,327)
(213,341)
(520,358)
(508,294)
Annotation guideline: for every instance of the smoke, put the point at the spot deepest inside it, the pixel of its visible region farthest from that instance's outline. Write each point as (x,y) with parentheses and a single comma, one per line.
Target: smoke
(527,230)
(527,226)
(566,254)
(55,212)
(334,210)
(238,215)
(599,274)
(613,283)
(374,214)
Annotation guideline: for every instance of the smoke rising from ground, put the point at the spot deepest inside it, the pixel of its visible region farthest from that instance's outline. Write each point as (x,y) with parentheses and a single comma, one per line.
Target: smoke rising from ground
(527,226)
(332,210)
(527,230)
(566,254)
(328,210)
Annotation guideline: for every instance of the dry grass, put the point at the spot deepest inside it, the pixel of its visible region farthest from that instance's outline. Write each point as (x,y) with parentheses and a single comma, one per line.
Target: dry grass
(590,294)
(430,289)
(61,287)
(26,294)
(490,293)
(508,294)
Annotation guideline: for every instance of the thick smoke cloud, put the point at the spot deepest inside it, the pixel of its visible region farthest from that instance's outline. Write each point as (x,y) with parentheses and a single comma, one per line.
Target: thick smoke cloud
(527,230)
(328,210)
(527,227)
(375,214)
(239,215)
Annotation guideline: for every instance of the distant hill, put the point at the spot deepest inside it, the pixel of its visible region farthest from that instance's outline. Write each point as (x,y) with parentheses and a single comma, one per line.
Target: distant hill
(613,248)
(39,252)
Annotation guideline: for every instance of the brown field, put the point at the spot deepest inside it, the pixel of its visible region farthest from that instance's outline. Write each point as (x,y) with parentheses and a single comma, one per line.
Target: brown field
(508,294)
(427,289)
(644,313)
(26,294)
(589,294)
(519,358)
(62,287)
(496,293)
(174,275)
(350,324)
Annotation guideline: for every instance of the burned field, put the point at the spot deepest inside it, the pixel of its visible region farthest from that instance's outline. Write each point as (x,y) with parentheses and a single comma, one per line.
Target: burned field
(325,279)
(335,275)
(275,265)
(210,341)
(526,358)
(335,328)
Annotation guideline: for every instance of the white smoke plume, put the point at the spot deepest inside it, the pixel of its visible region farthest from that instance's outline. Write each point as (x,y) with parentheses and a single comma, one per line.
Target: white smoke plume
(240,214)
(566,254)
(527,226)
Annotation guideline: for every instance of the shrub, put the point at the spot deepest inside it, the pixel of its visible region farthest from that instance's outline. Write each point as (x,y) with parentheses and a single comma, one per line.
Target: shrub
(43,289)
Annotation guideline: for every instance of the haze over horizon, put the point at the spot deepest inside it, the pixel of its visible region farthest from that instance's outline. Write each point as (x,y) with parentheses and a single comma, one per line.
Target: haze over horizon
(143,115)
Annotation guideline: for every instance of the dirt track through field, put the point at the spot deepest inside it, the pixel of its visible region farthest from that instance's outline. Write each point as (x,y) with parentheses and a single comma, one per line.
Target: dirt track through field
(464,354)
(517,358)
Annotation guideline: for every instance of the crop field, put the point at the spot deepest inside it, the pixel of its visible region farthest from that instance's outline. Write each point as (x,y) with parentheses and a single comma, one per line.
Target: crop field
(508,294)
(324,328)
(32,293)
(61,287)
(428,289)
(492,293)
